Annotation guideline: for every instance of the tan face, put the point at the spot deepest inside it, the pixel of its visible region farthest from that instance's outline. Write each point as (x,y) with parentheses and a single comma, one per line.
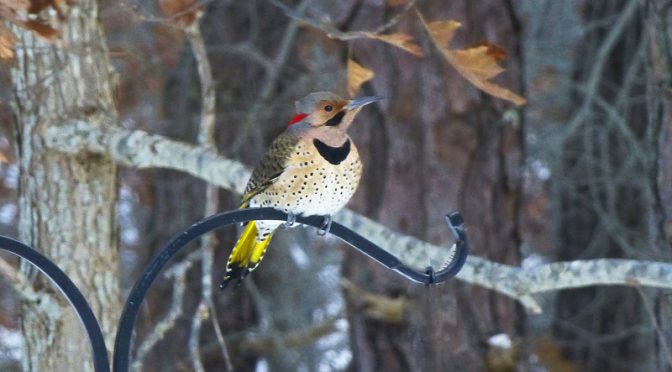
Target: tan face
(328,112)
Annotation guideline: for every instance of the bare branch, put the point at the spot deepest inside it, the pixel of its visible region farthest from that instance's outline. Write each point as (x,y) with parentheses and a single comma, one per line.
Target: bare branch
(206,138)
(600,62)
(247,50)
(18,281)
(293,340)
(141,150)
(206,135)
(44,304)
(195,335)
(652,316)
(271,79)
(179,273)
(334,33)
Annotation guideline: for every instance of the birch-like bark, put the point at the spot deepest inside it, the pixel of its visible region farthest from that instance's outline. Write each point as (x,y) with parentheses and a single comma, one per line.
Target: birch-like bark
(142,150)
(67,203)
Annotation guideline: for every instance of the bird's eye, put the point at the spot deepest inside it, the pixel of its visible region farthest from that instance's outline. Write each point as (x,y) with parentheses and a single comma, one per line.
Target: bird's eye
(328,108)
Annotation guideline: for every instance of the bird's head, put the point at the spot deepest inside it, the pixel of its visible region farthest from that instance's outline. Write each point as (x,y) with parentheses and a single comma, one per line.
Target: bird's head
(326,109)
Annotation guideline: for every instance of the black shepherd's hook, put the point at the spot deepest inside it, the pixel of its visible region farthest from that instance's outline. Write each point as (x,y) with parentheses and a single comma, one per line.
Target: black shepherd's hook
(101,362)
(122,343)
(137,295)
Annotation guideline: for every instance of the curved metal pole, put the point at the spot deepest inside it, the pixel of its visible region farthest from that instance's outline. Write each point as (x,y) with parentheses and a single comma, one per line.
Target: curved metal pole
(122,343)
(101,362)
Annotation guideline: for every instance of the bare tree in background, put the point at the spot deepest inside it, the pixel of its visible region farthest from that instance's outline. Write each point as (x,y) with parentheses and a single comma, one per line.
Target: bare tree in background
(607,195)
(67,203)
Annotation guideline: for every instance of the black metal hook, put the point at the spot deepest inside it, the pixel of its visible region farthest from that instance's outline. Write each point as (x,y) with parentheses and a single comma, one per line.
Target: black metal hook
(430,276)
(137,295)
(101,362)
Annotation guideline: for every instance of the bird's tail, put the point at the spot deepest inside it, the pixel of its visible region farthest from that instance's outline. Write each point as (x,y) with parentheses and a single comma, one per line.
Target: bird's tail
(246,255)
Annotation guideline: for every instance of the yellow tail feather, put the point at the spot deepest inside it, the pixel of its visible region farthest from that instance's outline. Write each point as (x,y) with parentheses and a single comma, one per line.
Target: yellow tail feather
(246,255)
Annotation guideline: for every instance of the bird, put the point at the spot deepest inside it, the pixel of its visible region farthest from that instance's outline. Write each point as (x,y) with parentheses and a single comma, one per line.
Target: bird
(312,168)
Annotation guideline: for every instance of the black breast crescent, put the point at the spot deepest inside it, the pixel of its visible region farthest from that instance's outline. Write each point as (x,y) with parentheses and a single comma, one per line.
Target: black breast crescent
(334,155)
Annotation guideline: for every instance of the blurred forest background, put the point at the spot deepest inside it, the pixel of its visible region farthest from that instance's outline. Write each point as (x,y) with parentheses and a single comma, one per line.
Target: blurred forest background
(583,170)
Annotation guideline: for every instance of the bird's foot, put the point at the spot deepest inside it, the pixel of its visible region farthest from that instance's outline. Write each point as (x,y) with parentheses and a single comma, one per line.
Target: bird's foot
(326,226)
(291,220)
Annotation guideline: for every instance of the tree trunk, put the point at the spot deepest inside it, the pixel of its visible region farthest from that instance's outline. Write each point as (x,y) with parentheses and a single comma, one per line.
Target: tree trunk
(67,203)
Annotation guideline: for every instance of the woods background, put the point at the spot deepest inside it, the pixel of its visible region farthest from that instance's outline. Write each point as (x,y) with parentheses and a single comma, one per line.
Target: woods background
(582,171)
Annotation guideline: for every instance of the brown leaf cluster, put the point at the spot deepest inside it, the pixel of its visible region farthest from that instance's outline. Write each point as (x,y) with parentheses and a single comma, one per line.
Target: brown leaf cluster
(477,64)
(357,76)
(7,41)
(181,13)
(28,14)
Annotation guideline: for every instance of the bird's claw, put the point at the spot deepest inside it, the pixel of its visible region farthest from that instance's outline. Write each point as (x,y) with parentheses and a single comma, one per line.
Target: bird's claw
(326,226)
(291,220)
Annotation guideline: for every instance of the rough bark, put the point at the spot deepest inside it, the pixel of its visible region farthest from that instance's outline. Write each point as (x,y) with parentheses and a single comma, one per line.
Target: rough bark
(67,203)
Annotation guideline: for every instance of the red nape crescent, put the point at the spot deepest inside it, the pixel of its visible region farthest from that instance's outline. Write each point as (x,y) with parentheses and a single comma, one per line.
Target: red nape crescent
(297,118)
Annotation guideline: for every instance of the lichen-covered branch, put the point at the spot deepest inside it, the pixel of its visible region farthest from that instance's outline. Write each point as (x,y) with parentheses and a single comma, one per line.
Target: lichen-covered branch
(141,150)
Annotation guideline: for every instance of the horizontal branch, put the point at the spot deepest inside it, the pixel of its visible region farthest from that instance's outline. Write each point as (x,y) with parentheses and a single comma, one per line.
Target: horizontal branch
(141,150)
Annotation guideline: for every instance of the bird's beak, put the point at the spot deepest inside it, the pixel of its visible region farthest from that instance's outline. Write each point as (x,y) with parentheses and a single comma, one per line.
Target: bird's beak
(361,102)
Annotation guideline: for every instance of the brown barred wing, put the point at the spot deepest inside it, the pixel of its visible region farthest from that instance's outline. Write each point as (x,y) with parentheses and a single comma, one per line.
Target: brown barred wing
(271,166)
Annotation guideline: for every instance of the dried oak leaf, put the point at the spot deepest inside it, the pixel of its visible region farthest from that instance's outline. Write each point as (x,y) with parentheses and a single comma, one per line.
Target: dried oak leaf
(25,14)
(477,64)
(36,6)
(7,41)
(182,13)
(496,52)
(41,28)
(400,40)
(357,76)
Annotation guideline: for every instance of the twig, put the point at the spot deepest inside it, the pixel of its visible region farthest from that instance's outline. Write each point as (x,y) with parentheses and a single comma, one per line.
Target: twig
(194,336)
(333,32)
(206,133)
(271,79)
(135,11)
(206,138)
(652,316)
(598,66)
(266,344)
(247,50)
(265,313)
(18,281)
(178,273)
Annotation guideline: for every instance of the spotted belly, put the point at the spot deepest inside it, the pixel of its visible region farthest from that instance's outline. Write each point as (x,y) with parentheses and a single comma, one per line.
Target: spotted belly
(311,185)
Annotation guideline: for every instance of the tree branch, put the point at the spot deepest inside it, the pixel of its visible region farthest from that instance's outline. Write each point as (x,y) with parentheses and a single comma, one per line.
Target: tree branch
(178,273)
(18,281)
(141,150)
(333,32)
(206,138)
(267,344)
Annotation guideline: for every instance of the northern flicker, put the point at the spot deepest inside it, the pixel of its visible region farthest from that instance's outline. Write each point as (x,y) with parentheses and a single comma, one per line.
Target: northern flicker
(312,168)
